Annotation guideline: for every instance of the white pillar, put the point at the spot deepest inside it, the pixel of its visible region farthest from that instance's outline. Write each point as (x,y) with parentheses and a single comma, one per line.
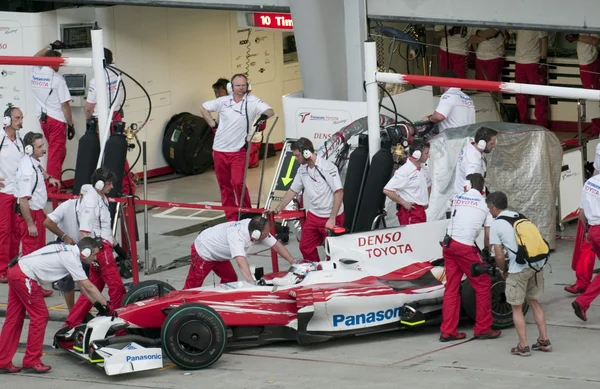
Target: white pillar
(101,93)
(372,97)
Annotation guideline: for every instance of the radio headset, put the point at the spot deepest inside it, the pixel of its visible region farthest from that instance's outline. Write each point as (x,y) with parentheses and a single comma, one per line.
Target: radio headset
(417,153)
(248,89)
(307,154)
(482,144)
(256,233)
(7,121)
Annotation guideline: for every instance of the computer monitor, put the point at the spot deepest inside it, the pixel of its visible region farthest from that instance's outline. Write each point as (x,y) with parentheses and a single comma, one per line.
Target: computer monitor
(75,83)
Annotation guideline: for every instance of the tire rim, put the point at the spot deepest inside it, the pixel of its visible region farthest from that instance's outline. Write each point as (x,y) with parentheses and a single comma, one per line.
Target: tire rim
(194,337)
(499,305)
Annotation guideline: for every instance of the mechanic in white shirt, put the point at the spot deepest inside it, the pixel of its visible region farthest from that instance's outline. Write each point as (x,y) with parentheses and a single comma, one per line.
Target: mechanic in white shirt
(215,247)
(453,49)
(489,53)
(471,158)
(95,220)
(53,108)
(455,109)
(469,214)
(531,68)
(236,113)
(46,265)
(322,195)
(410,186)
(11,152)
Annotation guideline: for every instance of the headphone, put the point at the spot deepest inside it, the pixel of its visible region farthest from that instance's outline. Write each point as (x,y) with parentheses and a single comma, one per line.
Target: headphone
(256,233)
(29,150)
(103,176)
(481,145)
(467,185)
(418,151)
(230,84)
(7,119)
(87,251)
(306,153)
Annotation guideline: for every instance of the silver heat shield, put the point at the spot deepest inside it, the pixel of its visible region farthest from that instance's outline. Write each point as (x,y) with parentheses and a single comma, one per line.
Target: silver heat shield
(526,165)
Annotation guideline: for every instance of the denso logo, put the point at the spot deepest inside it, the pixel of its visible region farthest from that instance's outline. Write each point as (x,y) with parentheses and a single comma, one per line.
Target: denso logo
(147,357)
(365,318)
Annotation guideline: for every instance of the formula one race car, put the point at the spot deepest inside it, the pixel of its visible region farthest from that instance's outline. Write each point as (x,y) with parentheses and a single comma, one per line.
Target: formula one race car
(374,281)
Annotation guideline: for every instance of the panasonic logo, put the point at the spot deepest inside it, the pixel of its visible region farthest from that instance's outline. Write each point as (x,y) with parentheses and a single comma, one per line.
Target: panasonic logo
(147,357)
(365,318)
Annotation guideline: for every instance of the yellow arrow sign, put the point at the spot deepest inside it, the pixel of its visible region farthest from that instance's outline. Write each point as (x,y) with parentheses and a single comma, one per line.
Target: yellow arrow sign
(287,179)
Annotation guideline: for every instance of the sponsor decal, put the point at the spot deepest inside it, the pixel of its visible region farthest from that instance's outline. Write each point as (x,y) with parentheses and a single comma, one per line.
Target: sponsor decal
(388,244)
(592,188)
(366,318)
(304,116)
(146,357)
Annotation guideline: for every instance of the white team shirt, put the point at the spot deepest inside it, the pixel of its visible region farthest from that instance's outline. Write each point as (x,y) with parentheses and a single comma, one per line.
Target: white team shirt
(411,183)
(319,184)
(65,216)
(94,215)
(52,263)
(457,44)
(528,46)
(30,183)
(597,158)
(590,200)
(233,120)
(491,48)
(470,160)
(226,241)
(115,91)
(469,214)
(10,155)
(50,91)
(457,108)
(586,53)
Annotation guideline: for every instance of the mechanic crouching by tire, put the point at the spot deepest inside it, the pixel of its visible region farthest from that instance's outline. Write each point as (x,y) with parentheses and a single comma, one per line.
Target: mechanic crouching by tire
(215,247)
(468,213)
(94,220)
(48,264)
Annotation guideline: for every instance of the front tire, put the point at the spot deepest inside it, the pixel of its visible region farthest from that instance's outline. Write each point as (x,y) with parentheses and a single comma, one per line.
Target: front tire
(145,290)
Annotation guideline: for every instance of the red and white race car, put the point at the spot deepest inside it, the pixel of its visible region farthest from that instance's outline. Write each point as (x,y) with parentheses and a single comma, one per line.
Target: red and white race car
(374,281)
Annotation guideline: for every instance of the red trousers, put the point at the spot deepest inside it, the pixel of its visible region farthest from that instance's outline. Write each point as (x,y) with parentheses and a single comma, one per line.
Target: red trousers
(455,62)
(200,268)
(24,295)
(527,73)
(254,155)
(589,74)
(33,243)
(229,169)
(593,290)
(414,216)
(10,231)
(489,69)
(457,261)
(314,234)
(105,273)
(55,132)
(583,259)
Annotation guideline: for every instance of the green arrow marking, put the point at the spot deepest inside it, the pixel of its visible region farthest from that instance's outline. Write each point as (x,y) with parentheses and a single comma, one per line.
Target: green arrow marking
(287,179)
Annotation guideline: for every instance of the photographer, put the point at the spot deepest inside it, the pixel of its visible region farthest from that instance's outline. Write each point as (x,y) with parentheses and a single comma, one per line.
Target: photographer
(523,281)
(469,213)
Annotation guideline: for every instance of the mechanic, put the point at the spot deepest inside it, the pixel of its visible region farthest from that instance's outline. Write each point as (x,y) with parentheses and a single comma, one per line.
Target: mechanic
(489,53)
(472,159)
(455,108)
(453,49)
(53,107)
(410,185)
(94,220)
(11,152)
(48,264)
(229,147)
(323,197)
(215,247)
(469,213)
(531,68)
(522,282)
(220,87)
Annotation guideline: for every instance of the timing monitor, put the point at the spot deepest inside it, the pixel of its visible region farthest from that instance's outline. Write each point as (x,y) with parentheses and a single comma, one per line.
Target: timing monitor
(76,36)
(76,84)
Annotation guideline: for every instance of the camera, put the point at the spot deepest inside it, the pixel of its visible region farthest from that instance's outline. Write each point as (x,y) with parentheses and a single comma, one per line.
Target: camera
(488,266)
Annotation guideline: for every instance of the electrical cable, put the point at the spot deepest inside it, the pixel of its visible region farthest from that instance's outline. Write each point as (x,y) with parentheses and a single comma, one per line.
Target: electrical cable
(143,89)
(61,174)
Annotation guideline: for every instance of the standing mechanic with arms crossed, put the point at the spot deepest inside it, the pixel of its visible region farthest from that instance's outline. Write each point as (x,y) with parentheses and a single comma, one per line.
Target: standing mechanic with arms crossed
(323,196)
(229,147)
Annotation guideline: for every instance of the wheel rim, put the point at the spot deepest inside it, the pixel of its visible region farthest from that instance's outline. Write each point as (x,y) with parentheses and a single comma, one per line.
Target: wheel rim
(194,337)
(499,305)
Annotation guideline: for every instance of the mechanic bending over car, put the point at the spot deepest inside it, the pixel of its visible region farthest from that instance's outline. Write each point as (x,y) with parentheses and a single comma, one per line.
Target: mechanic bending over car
(214,248)
(410,186)
(468,213)
(472,157)
(323,196)
(25,275)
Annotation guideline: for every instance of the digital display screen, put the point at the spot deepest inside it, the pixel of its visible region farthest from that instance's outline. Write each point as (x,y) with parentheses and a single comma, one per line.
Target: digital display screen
(279,21)
(77,36)
(75,81)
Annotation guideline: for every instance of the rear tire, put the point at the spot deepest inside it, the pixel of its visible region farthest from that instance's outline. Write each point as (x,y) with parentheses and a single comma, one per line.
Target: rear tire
(145,290)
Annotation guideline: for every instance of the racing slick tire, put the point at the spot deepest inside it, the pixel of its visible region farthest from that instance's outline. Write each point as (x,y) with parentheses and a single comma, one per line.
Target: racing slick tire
(501,310)
(193,336)
(145,290)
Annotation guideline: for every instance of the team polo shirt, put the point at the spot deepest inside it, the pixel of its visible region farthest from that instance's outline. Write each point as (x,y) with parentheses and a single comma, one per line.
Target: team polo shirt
(490,48)
(469,214)
(65,216)
(528,46)
(587,53)
(235,120)
(115,91)
(94,215)
(30,183)
(226,241)
(470,160)
(590,200)
(50,91)
(411,183)
(319,184)
(457,44)
(457,108)
(10,155)
(52,263)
